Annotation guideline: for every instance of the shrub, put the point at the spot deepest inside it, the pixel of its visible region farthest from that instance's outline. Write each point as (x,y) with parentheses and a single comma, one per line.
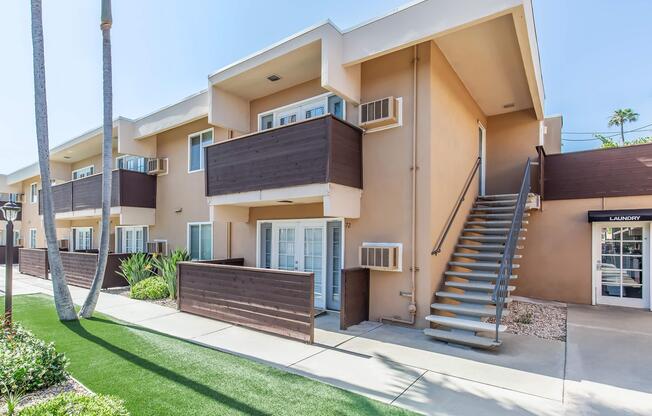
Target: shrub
(150,288)
(525,318)
(28,363)
(166,268)
(67,404)
(136,268)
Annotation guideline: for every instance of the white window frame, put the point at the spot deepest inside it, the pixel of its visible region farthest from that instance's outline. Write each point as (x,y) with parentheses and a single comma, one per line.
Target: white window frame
(201,155)
(91,167)
(122,227)
(74,240)
(118,158)
(283,110)
(188,248)
(33,192)
(33,237)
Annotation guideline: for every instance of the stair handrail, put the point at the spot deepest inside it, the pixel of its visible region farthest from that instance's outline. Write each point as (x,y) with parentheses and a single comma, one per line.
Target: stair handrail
(442,236)
(506,263)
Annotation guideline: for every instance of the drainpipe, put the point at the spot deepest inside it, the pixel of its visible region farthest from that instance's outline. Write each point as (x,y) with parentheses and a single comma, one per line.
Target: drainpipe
(412,308)
(229,223)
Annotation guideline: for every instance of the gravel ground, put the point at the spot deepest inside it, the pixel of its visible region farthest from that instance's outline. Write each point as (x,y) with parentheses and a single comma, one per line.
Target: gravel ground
(536,319)
(124,291)
(70,385)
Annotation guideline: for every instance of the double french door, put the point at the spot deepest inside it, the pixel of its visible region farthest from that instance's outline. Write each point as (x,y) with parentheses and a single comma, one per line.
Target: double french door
(313,246)
(622,268)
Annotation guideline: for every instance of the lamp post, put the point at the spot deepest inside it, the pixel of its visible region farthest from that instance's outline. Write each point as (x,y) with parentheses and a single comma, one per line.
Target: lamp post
(10,211)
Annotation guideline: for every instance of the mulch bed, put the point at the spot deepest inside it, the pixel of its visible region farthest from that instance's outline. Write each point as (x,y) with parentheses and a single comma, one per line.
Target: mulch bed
(541,320)
(124,291)
(70,385)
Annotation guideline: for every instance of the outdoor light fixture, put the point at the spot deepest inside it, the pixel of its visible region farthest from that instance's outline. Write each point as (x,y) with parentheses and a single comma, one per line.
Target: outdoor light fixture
(273,77)
(10,211)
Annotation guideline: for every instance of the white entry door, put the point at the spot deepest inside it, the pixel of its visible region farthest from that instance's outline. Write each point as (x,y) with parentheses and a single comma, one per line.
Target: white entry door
(301,246)
(622,269)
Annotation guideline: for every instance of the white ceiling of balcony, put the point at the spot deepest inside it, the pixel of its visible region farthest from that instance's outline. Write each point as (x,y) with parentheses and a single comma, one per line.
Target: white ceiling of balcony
(80,149)
(298,66)
(487,58)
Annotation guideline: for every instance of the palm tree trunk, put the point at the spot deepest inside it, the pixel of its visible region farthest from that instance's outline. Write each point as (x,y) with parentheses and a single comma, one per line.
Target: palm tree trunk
(62,299)
(622,133)
(107,163)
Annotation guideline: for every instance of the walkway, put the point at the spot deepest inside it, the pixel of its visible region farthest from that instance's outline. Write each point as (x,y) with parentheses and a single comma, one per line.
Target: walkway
(604,370)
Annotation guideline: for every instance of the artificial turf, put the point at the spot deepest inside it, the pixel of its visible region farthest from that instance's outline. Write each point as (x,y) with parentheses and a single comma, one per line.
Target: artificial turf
(156,374)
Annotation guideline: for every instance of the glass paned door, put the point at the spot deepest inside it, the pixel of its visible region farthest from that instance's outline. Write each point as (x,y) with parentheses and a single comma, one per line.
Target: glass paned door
(287,247)
(313,260)
(623,265)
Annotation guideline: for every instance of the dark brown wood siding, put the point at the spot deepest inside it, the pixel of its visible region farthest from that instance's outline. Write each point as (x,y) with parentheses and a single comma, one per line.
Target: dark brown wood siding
(128,189)
(355,297)
(272,301)
(3,254)
(33,261)
(319,150)
(79,269)
(624,171)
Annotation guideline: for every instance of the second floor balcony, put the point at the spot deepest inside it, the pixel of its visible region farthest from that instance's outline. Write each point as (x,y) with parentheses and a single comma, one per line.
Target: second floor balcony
(82,198)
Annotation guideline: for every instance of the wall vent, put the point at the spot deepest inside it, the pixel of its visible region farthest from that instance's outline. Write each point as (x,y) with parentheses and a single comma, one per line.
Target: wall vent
(158,166)
(378,113)
(381,256)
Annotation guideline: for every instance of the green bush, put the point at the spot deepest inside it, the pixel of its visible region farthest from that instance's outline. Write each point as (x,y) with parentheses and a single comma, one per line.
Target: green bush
(150,288)
(166,268)
(28,363)
(136,268)
(67,404)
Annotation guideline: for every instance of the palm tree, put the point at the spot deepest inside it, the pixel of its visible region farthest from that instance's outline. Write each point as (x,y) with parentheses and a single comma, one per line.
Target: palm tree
(62,299)
(620,117)
(107,162)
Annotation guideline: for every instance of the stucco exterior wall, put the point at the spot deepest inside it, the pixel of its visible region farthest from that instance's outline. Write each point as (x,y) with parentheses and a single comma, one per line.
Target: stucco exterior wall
(556,263)
(30,216)
(511,139)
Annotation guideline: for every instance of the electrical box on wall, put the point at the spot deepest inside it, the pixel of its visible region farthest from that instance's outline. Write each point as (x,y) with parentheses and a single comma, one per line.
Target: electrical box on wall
(381,256)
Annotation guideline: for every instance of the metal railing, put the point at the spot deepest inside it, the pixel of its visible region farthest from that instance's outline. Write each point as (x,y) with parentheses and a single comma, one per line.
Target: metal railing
(440,241)
(506,263)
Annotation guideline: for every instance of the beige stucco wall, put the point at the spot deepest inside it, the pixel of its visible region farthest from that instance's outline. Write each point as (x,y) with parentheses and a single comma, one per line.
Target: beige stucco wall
(511,139)
(556,263)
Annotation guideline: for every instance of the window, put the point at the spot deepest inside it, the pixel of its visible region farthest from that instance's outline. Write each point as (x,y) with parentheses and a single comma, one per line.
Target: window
(200,241)
(131,239)
(303,110)
(33,193)
(129,162)
(196,144)
(3,238)
(82,238)
(32,238)
(83,172)
(267,121)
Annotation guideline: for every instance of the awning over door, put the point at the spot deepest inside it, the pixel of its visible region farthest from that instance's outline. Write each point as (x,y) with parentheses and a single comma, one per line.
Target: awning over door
(619,215)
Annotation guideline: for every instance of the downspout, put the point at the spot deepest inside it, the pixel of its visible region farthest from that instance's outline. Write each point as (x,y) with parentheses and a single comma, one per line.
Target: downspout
(412,308)
(229,223)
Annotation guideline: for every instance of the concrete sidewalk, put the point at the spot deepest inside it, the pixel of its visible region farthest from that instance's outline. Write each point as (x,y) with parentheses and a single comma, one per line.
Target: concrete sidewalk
(398,365)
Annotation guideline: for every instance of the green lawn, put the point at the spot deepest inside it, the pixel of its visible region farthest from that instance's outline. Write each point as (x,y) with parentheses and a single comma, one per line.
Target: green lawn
(160,375)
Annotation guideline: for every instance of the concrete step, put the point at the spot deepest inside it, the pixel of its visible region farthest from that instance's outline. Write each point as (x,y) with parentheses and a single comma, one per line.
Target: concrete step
(498,196)
(492,209)
(481,276)
(493,223)
(484,256)
(466,324)
(481,298)
(505,216)
(467,310)
(487,238)
(479,265)
(497,231)
(498,202)
(462,339)
(475,286)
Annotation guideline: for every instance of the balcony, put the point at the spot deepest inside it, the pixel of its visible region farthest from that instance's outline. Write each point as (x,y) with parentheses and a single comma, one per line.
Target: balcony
(132,193)
(318,160)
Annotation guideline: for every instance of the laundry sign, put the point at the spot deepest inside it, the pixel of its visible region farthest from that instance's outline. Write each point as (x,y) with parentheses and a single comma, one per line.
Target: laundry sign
(620,215)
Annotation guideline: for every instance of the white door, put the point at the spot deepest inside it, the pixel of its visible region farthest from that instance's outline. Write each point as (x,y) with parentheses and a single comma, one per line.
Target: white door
(482,154)
(301,246)
(622,264)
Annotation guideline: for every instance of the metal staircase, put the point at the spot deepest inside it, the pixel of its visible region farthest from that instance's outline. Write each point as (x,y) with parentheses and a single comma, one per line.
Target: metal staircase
(480,274)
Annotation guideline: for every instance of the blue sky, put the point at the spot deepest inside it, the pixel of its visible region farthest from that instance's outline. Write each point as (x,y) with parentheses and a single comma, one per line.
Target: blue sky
(595,57)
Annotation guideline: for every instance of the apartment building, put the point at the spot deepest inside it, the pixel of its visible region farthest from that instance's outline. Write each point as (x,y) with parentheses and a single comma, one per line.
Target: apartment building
(333,150)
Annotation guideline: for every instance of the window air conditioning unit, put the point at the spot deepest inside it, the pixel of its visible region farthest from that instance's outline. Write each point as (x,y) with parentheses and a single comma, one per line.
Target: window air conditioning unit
(157,166)
(18,198)
(381,256)
(64,244)
(157,247)
(378,113)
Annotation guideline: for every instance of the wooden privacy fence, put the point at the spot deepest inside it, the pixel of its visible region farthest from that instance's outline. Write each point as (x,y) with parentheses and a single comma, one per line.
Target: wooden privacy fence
(355,297)
(79,269)
(275,301)
(33,261)
(3,259)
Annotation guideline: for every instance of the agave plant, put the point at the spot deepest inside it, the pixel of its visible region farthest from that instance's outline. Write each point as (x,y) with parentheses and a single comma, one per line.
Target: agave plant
(136,267)
(166,267)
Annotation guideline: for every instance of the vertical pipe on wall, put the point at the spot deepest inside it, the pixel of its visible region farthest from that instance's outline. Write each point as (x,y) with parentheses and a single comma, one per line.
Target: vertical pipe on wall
(412,308)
